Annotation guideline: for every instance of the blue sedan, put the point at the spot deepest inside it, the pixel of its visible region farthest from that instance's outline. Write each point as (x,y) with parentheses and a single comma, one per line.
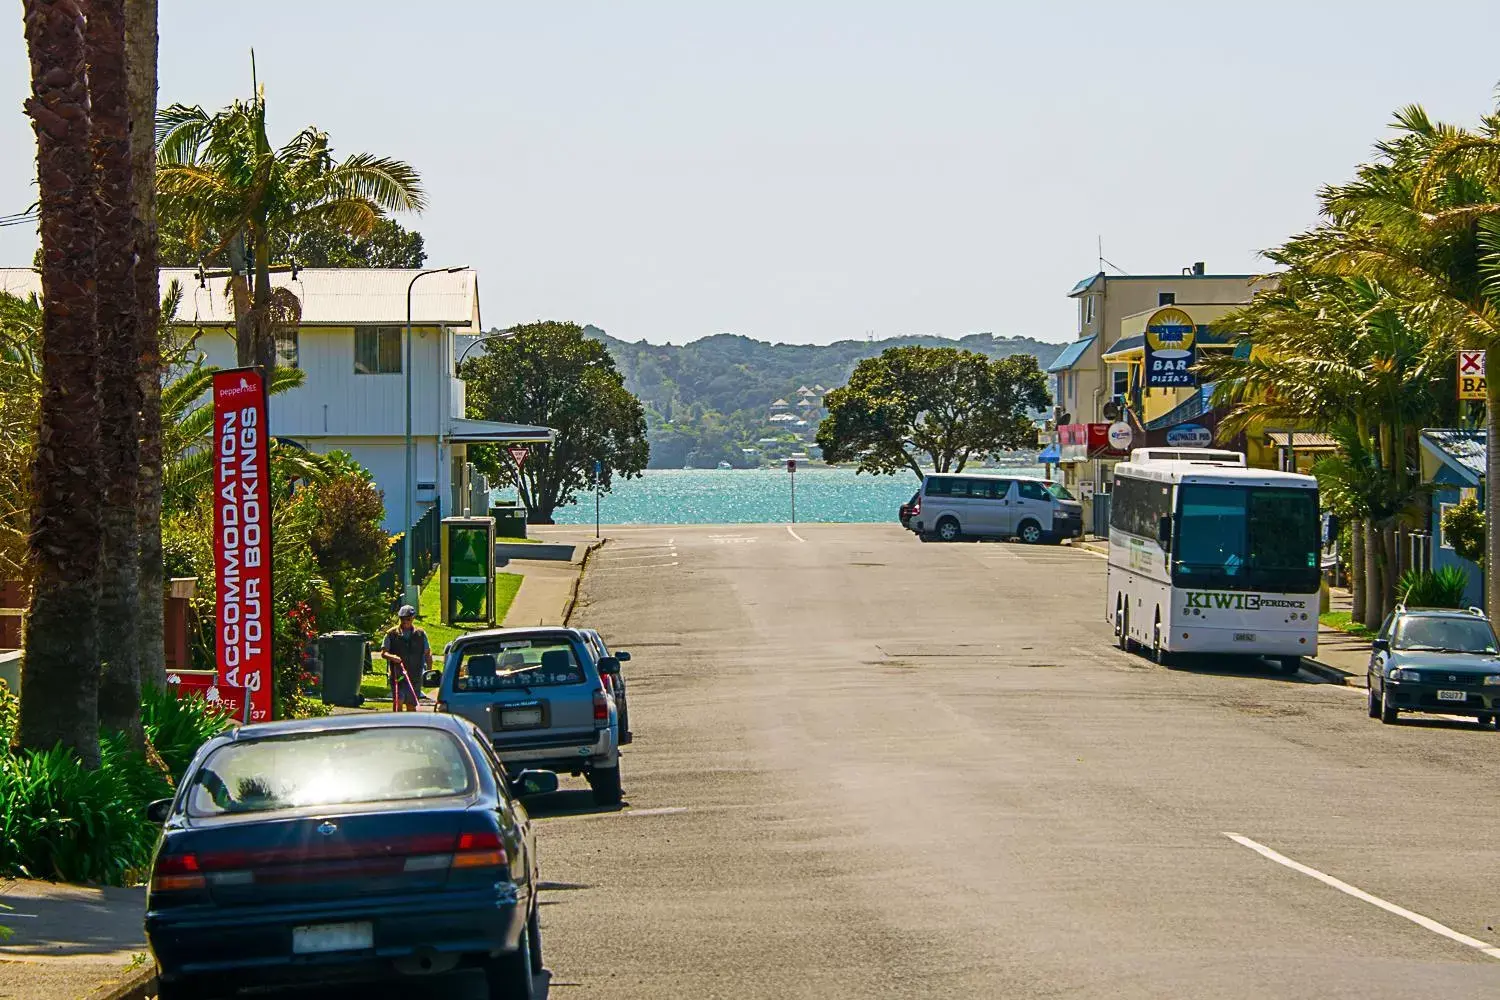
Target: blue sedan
(349,849)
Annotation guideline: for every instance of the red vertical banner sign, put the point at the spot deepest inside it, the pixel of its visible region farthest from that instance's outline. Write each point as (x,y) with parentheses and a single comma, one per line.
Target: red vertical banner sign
(242,542)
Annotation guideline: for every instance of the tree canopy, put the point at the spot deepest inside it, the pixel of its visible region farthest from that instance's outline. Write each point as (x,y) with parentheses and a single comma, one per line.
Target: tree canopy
(946,404)
(550,373)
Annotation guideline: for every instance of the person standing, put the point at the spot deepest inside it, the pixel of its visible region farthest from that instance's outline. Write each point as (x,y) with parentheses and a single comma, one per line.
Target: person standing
(407,654)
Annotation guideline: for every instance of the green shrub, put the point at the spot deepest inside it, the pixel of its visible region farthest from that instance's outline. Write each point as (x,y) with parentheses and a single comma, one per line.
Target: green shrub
(1463,528)
(10,715)
(1441,588)
(60,820)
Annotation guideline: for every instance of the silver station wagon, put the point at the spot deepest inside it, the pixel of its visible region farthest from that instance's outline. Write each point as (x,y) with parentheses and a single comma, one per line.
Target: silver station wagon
(540,695)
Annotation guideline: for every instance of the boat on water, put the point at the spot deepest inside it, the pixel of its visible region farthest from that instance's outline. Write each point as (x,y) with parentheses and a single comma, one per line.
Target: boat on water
(725,465)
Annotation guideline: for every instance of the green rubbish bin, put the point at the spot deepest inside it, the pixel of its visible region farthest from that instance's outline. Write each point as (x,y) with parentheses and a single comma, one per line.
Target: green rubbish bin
(510,520)
(345,656)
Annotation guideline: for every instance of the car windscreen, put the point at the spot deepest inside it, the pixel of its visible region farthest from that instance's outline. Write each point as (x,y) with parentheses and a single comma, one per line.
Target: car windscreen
(334,767)
(515,664)
(1059,492)
(1458,635)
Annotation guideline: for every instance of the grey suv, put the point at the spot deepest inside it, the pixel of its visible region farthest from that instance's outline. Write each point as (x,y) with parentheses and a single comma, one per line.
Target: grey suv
(540,695)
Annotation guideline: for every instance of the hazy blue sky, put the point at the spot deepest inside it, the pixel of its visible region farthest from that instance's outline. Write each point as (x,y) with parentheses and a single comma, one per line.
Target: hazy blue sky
(811,170)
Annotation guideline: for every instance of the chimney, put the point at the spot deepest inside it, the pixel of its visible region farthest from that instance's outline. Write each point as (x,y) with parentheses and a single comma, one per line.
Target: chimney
(1198,269)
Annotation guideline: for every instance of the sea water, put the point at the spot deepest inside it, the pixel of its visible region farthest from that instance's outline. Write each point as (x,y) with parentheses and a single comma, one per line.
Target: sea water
(752,496)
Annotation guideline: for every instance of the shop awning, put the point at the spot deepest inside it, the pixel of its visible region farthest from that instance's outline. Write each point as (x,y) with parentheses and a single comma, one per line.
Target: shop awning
(1050,455)
(1304,440)
(498,432)
(1070,355)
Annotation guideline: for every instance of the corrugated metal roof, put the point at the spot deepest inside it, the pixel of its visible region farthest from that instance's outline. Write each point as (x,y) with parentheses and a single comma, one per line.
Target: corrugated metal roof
(1304,439)
(498,432)
(1086,282)
(1070,355)
(330,296)
(1464,450)
(1050,455)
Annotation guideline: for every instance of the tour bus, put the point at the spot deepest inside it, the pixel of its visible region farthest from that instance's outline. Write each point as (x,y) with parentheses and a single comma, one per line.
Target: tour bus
(1208,556)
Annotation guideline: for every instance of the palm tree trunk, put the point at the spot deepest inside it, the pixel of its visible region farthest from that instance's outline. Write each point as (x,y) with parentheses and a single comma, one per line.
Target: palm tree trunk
(1373,612)
(119,364)
(60,682)
(263,340)
(140,68)
(1392,570)
(1357,581)
(1491,476)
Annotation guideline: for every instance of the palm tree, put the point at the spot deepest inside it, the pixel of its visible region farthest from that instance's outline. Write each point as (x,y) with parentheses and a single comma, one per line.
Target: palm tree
(61,678)
(118,317)
(230,191)
(1424,220)
(140,86)
(1345,356)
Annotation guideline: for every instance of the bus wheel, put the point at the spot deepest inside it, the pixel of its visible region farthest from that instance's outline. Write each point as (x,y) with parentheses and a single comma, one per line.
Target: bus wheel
(1290,665)
(1122,628)
(1158,651)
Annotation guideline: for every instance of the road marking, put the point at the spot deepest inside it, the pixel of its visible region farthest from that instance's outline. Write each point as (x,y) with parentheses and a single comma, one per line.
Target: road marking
(1345,887)
(794,534)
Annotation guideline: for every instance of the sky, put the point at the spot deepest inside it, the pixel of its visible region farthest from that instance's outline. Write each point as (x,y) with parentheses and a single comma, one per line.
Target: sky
(815,170)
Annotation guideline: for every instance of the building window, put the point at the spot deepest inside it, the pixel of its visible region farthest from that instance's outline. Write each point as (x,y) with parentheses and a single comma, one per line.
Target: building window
(1121,378)
(1443,542)
(286,348)
(377,350)
(1166,298)
(1087,303)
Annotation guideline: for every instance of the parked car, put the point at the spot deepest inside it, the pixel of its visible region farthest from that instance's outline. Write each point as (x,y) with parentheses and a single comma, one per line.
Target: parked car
(952,507)
(1435,660)
(347,848)
(912,506)
(614,682)
(539,695)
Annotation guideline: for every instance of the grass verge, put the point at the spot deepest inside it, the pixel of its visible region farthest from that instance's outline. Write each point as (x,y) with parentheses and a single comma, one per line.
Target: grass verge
(1344,622)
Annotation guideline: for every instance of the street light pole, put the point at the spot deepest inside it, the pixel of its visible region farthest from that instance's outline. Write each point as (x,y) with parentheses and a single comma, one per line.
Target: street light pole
(409,594)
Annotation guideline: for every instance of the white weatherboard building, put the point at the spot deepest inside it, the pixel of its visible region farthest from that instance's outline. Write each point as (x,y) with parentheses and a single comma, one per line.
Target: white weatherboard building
(351,346)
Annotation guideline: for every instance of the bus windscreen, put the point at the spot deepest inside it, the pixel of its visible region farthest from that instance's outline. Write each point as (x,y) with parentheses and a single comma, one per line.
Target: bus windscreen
(1246,538)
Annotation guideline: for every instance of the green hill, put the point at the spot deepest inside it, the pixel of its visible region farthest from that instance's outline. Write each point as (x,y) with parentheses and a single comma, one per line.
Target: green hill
(709,400)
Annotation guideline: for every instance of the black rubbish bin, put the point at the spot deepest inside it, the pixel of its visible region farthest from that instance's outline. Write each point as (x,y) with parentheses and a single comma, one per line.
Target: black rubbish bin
(510,520)
(345,656)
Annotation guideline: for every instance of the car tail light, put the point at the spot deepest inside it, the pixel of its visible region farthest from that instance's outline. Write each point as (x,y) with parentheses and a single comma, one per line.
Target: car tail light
(177,873)
(601,710)
(916,508)
(482,849)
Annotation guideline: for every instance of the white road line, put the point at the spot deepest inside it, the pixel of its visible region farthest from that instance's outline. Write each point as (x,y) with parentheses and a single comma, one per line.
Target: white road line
(794,534)
(1345,887)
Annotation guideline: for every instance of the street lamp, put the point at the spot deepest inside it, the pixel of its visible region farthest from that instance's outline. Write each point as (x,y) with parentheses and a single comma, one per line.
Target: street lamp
(464,354)
(409,591)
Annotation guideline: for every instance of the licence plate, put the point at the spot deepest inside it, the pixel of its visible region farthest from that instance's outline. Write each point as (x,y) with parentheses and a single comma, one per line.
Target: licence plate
(1244,637)
(1452,696)
(520,718)
(318,938)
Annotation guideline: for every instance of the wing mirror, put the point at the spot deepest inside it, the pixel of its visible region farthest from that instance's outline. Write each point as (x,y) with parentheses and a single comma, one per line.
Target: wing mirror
(610,666)
(158,811)
(623,656)
(1381,645)
(1164,531)
(534,783)
(432,678)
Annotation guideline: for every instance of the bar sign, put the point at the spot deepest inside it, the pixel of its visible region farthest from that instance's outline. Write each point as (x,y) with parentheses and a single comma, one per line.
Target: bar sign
(1471,375)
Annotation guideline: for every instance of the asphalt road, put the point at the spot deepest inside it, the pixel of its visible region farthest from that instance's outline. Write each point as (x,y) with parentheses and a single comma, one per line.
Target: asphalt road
(868,767)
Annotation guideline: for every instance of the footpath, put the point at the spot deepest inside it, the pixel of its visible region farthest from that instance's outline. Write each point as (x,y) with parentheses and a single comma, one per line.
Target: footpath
(1342,658)
(73,942)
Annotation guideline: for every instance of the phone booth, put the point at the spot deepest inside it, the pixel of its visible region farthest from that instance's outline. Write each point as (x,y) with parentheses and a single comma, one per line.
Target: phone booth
(468,570)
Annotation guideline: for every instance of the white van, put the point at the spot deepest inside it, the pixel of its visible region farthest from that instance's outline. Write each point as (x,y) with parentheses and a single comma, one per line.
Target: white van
(952,506)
